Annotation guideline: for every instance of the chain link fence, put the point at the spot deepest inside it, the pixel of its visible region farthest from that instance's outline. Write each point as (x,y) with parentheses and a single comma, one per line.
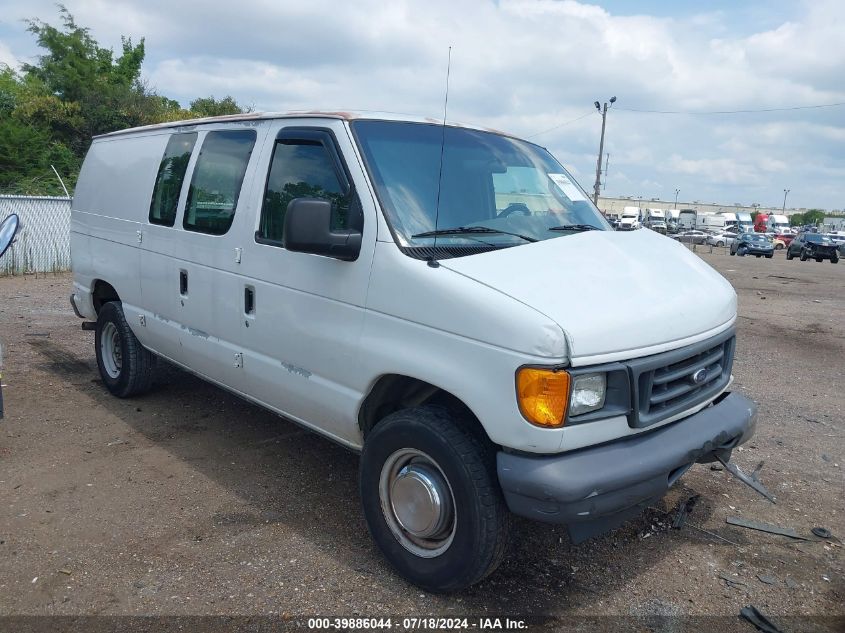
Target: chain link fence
(43,243)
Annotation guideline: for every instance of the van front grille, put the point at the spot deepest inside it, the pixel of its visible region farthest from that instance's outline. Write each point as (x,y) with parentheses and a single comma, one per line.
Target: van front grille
(670,383)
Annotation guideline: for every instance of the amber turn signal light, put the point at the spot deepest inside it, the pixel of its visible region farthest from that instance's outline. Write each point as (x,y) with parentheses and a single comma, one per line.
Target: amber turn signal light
(543,395)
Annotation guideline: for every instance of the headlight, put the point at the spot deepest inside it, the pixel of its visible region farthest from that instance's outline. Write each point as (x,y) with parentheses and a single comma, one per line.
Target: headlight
(588,392)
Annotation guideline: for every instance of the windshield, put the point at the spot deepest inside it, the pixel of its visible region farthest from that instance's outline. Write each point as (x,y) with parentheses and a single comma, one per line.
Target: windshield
(515,190)
(760,238)
(815,237)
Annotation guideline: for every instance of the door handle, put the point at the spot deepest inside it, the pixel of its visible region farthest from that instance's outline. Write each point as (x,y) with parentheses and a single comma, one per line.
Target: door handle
(249,300)
(183,282)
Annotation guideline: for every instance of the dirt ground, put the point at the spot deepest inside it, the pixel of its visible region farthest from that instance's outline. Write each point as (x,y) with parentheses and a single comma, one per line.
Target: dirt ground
(191,501)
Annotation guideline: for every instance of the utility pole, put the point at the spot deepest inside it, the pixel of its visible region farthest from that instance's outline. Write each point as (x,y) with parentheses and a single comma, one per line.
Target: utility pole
(677,191)
(606,163)
(785,191)
(603,114)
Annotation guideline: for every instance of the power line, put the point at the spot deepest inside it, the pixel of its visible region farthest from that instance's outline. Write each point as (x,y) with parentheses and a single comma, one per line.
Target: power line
(809,107)
(560,125)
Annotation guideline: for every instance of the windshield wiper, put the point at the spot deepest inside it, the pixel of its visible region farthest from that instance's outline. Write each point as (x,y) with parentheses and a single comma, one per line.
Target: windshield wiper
(464,230)
(575,227)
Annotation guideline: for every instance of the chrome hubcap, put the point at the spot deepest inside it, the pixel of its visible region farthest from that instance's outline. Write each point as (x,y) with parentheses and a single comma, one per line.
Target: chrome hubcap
(110,350)
(417,503)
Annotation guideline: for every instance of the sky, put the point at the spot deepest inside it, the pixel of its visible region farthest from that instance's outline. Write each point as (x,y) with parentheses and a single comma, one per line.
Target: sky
(531,68)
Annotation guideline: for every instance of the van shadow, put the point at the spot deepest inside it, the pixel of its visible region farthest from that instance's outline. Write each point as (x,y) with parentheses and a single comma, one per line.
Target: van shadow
(291,476)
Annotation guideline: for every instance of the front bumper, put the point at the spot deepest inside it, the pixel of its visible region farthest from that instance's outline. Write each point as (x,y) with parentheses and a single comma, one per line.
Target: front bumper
(595,489)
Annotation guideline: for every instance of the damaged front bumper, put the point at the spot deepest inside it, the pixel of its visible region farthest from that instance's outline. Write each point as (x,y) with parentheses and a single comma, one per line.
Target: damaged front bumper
(595,489)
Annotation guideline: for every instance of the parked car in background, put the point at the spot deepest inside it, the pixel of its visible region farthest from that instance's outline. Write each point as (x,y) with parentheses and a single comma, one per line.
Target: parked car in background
(782,240)
(657,225)
(813,246)
(757,244)
(838,238)
(691,237)
(726,238)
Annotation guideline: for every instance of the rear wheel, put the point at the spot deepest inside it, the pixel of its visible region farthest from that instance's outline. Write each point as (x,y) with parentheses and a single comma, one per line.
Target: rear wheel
(125,365)
(819,259)
(431,498)
(778,246)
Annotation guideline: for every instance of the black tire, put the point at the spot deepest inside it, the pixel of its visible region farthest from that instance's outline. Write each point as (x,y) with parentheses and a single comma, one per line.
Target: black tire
(770,256)
(834,259)
(129,372)
(467,464)
(789,254)
(803,256)
(819,259)
(778,246)
(741,251)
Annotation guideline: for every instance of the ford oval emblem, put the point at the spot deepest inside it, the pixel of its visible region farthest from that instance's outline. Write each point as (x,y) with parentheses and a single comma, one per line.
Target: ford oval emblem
(699,377)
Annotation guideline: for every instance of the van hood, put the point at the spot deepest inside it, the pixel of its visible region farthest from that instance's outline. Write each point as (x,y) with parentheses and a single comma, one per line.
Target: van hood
(615,295)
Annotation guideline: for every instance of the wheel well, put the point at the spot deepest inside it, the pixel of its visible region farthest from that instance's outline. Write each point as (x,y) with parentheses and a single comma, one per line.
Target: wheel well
(103,293)
(394,392)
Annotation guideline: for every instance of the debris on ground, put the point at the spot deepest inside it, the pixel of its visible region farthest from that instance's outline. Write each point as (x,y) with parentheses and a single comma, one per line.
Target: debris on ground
(765,527)
(821,532)
(759,620)
(769,580)
(684,509)
(750,480)
(731,581)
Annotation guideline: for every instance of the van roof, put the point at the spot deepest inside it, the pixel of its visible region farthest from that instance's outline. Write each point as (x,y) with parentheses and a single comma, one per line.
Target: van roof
(298,114)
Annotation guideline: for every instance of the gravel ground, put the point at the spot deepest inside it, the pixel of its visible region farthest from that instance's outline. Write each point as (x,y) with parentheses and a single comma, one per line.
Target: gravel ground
(191,501)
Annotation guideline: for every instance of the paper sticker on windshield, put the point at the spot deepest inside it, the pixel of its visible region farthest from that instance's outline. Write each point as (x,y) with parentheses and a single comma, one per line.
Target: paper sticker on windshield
(567,187)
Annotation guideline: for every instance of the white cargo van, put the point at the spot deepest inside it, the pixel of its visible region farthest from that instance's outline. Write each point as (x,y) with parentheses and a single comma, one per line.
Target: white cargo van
(687,219)
(445,300)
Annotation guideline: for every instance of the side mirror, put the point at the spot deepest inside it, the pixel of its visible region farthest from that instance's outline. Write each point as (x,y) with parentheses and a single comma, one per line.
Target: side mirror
(8,229)
(308,230)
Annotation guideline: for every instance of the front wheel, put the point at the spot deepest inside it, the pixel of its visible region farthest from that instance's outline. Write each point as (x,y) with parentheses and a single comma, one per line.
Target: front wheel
(834,259)
(770,256)
(789,254)
(431,499)
(803,257)
(125,365)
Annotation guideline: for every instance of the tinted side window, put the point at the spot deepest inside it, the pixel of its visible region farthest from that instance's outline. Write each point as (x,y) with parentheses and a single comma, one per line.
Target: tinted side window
(171,173)
(216,183)
(301,169)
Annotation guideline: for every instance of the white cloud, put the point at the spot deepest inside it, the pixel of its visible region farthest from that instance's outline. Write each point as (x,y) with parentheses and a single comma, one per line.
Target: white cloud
(7,57)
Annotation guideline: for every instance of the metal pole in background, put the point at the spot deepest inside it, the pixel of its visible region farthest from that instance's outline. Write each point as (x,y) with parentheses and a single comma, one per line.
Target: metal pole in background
(606,163)
(677,191)
(603,113)
(785,191)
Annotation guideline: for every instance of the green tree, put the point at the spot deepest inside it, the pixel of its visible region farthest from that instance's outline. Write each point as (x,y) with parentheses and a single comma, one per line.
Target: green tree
(814,216)
(209,106)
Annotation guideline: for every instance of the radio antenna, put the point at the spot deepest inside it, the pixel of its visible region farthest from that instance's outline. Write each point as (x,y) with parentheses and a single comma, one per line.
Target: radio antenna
(433,260)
